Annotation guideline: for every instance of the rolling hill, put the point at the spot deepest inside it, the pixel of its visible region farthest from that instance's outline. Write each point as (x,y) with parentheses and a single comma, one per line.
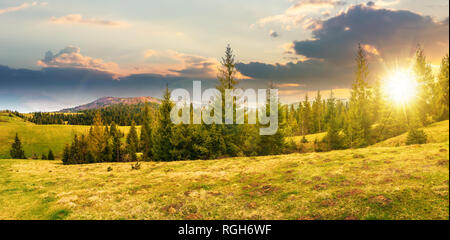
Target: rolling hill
(409,182)
(38,139)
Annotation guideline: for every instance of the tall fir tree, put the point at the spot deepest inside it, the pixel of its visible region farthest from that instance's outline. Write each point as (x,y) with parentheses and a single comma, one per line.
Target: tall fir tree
(358,129)
(16,151)
(98,139)
(231,134)
(116,148)
(50,155)
(306,117)
(146,134)
(227,71)
(317,114)
(443,89)
(132,143)
(425,79)
(162,135)
(273,144)
(333,138)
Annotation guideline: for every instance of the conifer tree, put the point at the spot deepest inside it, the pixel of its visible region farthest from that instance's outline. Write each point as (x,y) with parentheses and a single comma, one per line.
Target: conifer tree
(443,89)
(50,155)
(16,151)
(425,78)
(273,144)
(66,155)
(116,149)
(132,142)
(232,134)
(227,71)
(306,116)
(162,135)
(146,134)
(358,129)
(98,139)
(332,138)
(317,116)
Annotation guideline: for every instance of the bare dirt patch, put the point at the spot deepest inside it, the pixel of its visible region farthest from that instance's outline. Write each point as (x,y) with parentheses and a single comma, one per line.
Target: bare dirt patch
(380,200)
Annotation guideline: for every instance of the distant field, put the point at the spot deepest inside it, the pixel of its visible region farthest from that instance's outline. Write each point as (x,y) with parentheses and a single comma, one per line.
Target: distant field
(37,139)
(410,182)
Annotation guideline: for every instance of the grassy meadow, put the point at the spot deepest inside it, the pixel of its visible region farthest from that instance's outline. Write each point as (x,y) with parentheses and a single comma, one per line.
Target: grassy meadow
(38,139)
(385,181)
(409,182)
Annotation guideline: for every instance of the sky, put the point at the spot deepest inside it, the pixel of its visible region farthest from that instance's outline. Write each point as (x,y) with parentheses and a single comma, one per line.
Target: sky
(59,54)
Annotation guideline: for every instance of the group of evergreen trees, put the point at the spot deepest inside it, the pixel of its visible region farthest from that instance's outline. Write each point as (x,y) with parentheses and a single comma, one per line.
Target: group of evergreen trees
(102,144)
(161,140)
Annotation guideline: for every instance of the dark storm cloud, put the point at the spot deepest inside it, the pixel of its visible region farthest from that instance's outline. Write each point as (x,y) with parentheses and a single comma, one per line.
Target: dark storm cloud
(310,74)
(391,32)
(386,35)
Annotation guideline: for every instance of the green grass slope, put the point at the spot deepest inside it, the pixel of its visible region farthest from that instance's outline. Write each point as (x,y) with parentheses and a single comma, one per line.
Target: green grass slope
(409,182)
(37,139)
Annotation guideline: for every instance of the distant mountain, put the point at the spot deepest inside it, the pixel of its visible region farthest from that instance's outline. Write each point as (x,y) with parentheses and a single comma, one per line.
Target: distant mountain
(109,101)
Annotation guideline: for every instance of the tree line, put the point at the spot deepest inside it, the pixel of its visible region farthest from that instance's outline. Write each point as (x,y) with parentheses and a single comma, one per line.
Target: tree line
(121,114)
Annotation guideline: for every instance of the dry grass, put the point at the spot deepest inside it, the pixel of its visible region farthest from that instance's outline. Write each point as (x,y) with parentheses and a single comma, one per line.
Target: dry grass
(408,182)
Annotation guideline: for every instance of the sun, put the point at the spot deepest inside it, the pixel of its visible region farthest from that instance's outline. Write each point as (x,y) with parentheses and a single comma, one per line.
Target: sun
(401,86)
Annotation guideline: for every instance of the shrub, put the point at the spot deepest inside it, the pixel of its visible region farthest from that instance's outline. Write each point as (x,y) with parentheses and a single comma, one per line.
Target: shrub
(416,136)
(50,155)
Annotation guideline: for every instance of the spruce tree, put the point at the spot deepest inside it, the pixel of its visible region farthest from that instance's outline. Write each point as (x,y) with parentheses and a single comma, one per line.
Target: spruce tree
(66,155)
(116,148)
(425,79)
(332,138)
(98,139)
(443,89)
(273,144)
(306,117)
(227,71)
(358,129)
(317,116)
(132,142)
(50,155)
(232,134)
(162,144)
(146,134)
(16,151)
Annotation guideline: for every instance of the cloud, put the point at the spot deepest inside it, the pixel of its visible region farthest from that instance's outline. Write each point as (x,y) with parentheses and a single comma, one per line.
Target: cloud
(21,7)
(174,63)
(388,34)
(284,85)
(68,87)
(273,34)
(79,19)
(297,14)
(307,75)
(71,57)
